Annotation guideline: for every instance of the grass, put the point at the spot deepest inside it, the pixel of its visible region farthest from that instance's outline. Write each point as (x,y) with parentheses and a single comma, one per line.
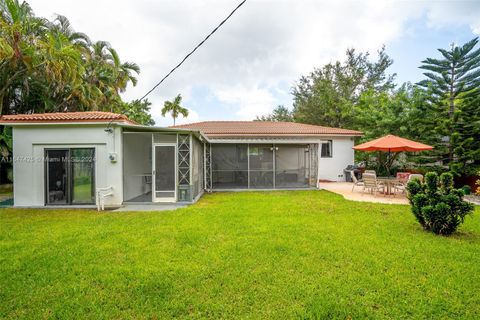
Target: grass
(305,254)
(6,190)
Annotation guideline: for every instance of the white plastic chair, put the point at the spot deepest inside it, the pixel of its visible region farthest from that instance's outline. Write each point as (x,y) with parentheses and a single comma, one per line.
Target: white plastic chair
(370,183)
(100,195)
(356,182)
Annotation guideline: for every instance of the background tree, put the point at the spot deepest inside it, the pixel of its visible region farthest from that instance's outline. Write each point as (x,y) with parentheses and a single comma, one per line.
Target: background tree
(46,66)
(328,94)
(399,111)
(452,85)
(443,110)
(138,111)
(174,108)
(280,113)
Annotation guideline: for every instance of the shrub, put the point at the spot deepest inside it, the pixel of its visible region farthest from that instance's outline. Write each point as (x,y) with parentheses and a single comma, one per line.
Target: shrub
(436,205)
(466,190)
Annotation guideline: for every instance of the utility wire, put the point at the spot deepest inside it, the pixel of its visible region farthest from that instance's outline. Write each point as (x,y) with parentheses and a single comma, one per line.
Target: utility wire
(195,49)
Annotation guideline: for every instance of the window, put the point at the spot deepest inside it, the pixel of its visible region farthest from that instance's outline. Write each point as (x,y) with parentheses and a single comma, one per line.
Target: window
(326,149)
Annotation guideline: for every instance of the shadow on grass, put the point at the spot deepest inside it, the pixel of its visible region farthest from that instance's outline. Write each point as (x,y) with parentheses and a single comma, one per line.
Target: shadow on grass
(469,236)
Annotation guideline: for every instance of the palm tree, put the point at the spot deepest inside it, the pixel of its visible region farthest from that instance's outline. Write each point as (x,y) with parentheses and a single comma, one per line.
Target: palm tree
(61,25)
(46,66)
(38,60)
(174,108)
(18,26)
(106,76)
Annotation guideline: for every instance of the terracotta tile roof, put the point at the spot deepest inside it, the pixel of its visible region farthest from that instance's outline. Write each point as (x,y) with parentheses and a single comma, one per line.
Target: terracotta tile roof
(217,129)
(62,117)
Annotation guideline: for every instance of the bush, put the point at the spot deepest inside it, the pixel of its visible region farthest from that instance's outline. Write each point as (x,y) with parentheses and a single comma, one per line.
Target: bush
(436,205)
(466,190)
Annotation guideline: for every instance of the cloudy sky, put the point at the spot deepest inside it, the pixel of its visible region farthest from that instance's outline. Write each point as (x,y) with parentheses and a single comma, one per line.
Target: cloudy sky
(250,65)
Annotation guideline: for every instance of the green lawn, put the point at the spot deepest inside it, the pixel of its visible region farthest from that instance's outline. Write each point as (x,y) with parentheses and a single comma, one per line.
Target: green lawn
(305,254)
(5,191)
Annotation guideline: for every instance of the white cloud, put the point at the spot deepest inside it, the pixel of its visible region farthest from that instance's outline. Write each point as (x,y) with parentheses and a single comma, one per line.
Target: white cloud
(247,102)
(265,44)
(445,13)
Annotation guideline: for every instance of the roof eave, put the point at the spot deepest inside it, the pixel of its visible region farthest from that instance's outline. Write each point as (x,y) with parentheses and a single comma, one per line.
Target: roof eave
(144,128)
(63,123)
(219,136)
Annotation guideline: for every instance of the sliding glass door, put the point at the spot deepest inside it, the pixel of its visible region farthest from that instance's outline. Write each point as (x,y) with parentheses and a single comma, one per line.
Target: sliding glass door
(82,175)
(70,176)
(58,189)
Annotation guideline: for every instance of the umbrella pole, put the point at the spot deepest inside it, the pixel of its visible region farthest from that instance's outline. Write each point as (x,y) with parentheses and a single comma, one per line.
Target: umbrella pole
(390,160)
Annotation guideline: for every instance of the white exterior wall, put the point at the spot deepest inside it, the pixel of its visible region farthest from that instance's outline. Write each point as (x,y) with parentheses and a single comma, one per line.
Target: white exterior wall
(29,143)
(331,169)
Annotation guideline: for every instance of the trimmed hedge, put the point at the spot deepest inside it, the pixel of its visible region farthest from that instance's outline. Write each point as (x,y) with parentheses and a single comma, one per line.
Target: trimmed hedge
(436,205)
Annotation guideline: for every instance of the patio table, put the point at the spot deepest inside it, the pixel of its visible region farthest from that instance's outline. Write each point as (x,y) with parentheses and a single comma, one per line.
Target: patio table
(388,182)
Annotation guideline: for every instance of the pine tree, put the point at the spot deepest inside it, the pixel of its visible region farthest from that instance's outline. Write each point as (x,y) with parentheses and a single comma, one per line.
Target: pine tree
(453,86)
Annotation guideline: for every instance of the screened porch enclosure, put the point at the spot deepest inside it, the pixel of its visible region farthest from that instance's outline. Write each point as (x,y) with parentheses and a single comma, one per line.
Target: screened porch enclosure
(262,166)
(162,167)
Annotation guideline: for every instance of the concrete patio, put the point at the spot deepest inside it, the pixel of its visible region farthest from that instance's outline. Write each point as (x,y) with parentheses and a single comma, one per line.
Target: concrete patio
(345,189)
(150,206)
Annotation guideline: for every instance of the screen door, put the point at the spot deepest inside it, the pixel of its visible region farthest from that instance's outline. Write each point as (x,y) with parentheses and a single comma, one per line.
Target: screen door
(164,172)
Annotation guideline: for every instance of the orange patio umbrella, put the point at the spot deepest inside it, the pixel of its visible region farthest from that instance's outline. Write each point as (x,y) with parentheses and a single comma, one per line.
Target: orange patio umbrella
(391,143)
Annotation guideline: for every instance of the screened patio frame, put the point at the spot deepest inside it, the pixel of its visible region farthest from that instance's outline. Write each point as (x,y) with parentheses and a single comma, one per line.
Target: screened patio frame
(310,154)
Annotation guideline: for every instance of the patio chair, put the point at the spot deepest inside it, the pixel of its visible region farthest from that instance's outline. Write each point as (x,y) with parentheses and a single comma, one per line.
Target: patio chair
(370,183)
(403,186)
(101,194)
(356,182)
(370,171)
(403,176)
(402,182)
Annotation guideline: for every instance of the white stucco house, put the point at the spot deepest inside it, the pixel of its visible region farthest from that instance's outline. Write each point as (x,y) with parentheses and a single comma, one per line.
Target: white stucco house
(73,158)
